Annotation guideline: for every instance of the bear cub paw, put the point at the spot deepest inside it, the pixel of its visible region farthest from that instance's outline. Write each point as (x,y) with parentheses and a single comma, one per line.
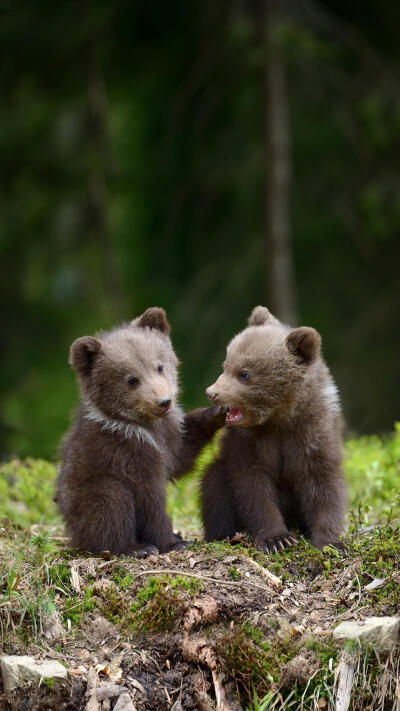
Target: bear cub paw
(276,544)
(142,550)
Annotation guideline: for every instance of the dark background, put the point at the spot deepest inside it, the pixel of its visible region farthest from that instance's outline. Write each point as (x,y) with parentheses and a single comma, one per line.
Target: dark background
(205,156)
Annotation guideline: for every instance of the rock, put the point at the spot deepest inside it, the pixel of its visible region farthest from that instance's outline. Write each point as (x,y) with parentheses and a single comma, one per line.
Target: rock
(376,583)
(124,703)
(138,685)
(93,704)
(92,683)
(383,632)
(17,671)
(300,669)
(52,627)
(106,690)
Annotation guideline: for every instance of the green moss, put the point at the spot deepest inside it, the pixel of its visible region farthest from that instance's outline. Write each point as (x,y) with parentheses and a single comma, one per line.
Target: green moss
(159,604)
(233,573)
(249,661)
(75,607)
(122,578)
(49,682)
(379,552)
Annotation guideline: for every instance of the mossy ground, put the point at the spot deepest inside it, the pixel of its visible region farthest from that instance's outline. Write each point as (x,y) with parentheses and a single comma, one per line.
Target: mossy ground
(142,611)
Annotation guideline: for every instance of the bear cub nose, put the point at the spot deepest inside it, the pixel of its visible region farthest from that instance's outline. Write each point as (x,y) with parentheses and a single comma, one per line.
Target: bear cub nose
(211,394)
(164,402)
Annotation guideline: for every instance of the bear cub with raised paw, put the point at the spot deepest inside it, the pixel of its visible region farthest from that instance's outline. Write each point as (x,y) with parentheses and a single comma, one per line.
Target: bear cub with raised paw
(128,438)
(280,461)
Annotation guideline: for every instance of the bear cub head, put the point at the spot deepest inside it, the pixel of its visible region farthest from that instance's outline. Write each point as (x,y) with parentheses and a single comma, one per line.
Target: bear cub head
(129,374)
(267,370)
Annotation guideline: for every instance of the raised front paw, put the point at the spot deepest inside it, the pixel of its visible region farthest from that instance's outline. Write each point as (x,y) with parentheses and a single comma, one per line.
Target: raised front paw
(215,416)
(276,543)
(142,550)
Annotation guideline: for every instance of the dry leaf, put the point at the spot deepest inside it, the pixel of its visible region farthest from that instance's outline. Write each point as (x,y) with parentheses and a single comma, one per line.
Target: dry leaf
(75,580)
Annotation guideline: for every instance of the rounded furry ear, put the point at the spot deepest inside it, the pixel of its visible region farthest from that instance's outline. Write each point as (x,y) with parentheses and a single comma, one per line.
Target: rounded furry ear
(83,354)
(304,342)
(155,317)
(259,316)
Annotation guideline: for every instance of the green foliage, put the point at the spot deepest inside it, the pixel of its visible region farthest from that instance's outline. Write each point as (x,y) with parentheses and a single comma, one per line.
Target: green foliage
(372,472)
(34,601)
(159,604)
(380,555)
(75,607)
(233,573)
(371,466)
(49,682)
(257,664)
(136,178)
(27,490)
(183,495)
(122,578)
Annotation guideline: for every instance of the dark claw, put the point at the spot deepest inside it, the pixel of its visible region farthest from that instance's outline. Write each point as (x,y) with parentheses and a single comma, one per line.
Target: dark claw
(178,546)
(277,544)
(143,551)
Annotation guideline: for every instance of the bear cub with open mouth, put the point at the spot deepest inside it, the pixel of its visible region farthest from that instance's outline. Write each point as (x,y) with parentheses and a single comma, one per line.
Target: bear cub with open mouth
(129,437)
(280,461)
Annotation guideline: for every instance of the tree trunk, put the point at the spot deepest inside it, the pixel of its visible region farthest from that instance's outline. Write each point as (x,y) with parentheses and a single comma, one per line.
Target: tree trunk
(280,276)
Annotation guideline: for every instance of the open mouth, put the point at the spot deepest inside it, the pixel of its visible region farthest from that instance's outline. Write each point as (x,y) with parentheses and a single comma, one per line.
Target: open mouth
(234,415)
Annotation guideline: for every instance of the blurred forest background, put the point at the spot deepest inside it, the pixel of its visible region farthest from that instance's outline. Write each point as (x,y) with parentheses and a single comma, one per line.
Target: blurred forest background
(206,157)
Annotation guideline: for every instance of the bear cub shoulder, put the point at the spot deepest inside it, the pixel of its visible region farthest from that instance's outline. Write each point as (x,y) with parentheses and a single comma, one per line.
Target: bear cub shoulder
(128,438)
(280,462)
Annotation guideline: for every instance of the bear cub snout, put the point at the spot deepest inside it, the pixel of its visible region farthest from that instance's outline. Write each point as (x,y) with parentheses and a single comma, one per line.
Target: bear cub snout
(280,460)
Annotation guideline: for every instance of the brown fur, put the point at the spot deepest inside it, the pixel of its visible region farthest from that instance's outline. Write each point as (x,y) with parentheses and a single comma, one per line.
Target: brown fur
(123,445)
(280,467)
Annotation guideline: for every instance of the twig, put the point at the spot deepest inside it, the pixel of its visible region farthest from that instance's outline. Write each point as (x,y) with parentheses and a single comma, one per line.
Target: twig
(273,579)
(345,685)
(201,577)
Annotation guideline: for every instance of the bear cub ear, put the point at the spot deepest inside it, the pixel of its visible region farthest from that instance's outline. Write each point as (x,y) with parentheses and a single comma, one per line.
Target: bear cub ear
(155,317)
(83,354)
(304,342)
(259,316)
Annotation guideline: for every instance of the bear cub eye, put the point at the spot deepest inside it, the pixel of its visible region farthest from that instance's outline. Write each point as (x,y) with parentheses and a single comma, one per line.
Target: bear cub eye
(132,382)
(244,375)
(160,368)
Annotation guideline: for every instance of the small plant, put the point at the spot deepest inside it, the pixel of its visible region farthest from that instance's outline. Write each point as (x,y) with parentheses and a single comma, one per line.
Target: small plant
(234,573)
(75,607)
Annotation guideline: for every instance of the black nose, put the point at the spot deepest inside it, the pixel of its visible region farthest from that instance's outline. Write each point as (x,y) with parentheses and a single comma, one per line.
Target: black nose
(165,402)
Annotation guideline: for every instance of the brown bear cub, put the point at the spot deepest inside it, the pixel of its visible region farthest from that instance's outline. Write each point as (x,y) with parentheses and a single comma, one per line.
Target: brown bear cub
(129,437)
(280,461)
